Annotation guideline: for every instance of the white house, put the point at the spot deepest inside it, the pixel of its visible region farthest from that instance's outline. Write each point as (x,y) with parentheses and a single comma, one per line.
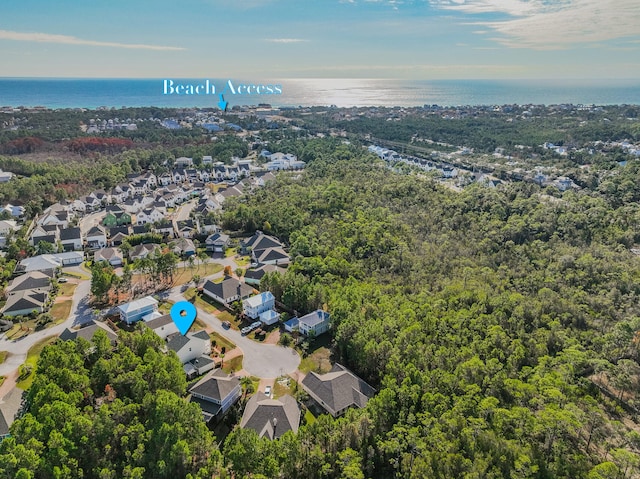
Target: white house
(217,242)
(227,291)
(314,323)
(259,303)
(269,317)
(149,215)
(7,226)
(97,237)
(216,393)
(163,326)
(113,256)
(183,162)
(71,239)
(190,346)
(135,310)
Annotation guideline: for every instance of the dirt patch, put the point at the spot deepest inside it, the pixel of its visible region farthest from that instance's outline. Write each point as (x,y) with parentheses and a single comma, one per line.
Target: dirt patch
(273,337)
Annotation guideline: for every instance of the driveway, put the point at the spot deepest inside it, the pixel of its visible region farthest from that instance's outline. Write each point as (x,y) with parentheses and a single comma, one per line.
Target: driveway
(261,360)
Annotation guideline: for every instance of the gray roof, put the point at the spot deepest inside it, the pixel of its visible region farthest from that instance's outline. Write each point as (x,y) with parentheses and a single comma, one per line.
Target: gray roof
(260,241)
(209,409)
(177,342)
(271,254)
(260,412)
(338,389)
(216,387)
(23,300)
(314,318)
(159,322)
(70,234)
(227,288)
(96,231)
(31,280)
(107,254)
(202,334)
(218,238)
(88,332)
(259,272)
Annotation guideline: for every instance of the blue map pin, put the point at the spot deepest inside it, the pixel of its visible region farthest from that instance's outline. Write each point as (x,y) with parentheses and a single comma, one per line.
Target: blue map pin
(183,314)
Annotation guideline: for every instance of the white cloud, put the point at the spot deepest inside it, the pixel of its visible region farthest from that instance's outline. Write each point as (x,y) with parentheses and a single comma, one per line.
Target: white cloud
(69,40)
(546,24)
(286,40)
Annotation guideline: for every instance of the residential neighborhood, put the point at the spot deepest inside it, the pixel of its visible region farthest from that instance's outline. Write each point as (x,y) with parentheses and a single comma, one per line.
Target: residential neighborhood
(176,207)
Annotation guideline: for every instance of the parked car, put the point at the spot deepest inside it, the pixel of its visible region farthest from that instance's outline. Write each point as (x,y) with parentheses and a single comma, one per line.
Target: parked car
(62,280)
(246,330)
(255,325)
(267,391)
(226,324)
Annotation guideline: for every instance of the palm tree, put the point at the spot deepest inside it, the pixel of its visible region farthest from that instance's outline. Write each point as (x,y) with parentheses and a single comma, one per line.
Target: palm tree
(203,257)
(247,387)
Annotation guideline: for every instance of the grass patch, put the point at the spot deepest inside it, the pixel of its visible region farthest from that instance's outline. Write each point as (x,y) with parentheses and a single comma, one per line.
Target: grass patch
(3,356)
(16,332)
(202,302)
(230,252)
(184,276)
(309,418)
(226,316)
(222,342)
(165,307)
(198,325)
(280,388)
(66,289)
(233,365)
(32,360)
(61,310)
(318,361)
(78,275)
(243,260)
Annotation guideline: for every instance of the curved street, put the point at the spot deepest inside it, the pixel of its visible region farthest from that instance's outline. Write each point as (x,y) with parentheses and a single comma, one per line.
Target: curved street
(261,360)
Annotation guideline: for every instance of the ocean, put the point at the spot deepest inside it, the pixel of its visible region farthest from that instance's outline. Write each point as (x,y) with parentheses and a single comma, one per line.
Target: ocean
(94,93)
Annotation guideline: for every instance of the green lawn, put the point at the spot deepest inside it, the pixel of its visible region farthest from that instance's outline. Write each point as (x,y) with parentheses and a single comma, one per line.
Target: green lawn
(32,360)
(243,260)
(318,361)
(16,333)
(226,316)
(66,289)
(184,276)
(78,275)
(309,418)
(3,356)
(165,307)
(281,388)
(222,342)
(233,365)
(60,311)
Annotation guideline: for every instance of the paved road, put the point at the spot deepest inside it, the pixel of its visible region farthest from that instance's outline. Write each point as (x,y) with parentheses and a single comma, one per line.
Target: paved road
(261,360)
(81,313)
(184,210)
(93,219)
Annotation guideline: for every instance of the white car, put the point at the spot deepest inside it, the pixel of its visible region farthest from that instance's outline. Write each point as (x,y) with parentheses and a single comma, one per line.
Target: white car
(267,391)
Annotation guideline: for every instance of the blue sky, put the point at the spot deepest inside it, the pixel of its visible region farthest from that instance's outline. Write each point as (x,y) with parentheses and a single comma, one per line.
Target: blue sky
(276,39)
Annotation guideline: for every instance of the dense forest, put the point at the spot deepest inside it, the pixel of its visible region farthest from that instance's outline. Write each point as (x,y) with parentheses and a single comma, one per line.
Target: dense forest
(499,326)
